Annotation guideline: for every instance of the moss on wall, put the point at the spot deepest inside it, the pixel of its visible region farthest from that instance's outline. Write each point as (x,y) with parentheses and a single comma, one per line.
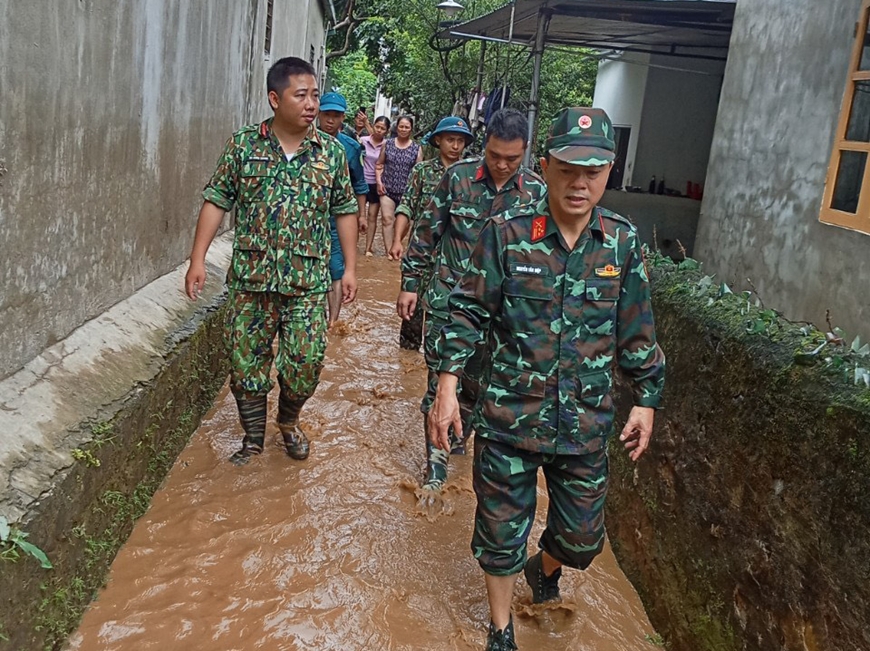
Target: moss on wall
(747,524)
(85,520)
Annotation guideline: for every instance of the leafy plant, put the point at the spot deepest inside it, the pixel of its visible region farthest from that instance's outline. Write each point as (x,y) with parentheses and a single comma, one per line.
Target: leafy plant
(13,542)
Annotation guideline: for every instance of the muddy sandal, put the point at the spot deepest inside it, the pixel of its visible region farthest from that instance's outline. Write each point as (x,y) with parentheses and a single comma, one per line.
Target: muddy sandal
(250,448)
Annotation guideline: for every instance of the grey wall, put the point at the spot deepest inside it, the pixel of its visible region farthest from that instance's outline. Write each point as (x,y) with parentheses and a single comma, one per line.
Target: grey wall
(678,120)
(781,98)
(112,117)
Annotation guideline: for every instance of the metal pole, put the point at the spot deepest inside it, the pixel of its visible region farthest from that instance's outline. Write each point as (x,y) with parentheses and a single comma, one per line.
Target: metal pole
(540,34)
(510,42)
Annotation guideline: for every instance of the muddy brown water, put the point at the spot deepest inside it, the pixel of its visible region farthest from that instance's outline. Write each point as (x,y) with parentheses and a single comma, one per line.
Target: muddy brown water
(333,552)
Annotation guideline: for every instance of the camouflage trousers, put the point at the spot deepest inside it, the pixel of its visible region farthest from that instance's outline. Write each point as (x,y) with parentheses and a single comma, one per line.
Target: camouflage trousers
(505,482)
(254,319)
(468,390)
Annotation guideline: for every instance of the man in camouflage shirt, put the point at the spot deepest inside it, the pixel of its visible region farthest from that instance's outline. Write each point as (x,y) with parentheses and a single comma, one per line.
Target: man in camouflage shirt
(450,138)
(285,179)
(562,289)
(469,194)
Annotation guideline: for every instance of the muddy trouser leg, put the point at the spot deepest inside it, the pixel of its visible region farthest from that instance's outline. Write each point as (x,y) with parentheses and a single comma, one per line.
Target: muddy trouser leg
(577,488)
(436,459)
(301,349)
(411,332)
(249,329)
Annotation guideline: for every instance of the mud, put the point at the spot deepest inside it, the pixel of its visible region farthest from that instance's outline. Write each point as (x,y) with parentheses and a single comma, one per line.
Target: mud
(336,552)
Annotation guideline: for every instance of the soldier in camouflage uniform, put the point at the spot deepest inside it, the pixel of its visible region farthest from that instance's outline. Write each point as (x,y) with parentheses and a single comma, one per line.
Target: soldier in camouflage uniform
(450,138)
(469,194)
(563,291)
(285,179)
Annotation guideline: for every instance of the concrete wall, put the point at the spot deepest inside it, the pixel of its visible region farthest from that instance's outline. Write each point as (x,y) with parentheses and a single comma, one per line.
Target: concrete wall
(679,115)
(619,90)
(666,224)
(778,113)
(112,118)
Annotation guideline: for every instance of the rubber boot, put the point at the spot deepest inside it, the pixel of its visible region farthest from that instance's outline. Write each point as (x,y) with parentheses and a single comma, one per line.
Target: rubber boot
(436,464)
(295,441)
(252,414)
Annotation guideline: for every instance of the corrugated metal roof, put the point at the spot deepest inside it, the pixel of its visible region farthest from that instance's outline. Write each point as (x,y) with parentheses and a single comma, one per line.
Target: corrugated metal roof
(687,27)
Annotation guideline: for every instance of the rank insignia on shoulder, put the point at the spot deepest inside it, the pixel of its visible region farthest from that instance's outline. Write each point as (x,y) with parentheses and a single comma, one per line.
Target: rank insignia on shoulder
(608,271)
(539,228)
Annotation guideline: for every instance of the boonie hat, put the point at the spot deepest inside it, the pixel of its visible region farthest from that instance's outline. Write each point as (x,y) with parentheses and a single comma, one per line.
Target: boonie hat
(333,102)
(582,136)
(451,125)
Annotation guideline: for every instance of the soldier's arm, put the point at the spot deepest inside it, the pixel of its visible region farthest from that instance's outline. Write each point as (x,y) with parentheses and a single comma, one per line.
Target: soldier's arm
(475,300)
(638,354)
(426,234)
(407,209)
(219,197)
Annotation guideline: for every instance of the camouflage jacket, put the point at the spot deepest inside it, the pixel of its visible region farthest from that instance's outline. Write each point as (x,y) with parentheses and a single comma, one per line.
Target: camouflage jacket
(424,179)
(282,239)
(559,321)
(447,231)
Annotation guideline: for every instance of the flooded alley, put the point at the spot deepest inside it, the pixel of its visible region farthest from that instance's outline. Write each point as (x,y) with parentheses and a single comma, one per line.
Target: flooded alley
(332,552)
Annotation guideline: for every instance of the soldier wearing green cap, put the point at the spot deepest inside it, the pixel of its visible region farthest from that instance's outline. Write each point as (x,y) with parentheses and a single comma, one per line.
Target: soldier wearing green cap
(468,195)
(561,289)
(450,138)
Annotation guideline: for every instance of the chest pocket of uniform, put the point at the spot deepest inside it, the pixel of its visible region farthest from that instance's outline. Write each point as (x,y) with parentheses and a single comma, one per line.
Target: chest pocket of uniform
(257,179)
(526,302)
(315,187)
(599,309)
(466,210)
(536,287)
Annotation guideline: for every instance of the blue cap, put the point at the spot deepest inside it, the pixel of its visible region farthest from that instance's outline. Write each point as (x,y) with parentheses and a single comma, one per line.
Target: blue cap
(333,102)
(450,125)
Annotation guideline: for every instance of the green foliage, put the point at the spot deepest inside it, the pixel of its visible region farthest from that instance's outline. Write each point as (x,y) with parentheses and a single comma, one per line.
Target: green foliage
(655,639)
(429,77)
(13,542)
(85,456)
(351,76)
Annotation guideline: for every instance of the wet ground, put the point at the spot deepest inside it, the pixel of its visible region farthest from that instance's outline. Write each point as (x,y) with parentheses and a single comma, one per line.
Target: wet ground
(333,552)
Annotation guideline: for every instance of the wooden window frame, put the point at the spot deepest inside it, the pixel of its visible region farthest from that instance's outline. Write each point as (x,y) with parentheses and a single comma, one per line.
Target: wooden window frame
(860,221)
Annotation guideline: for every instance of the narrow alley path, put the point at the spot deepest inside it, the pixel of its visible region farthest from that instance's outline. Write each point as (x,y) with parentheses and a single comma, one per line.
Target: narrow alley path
(331,553)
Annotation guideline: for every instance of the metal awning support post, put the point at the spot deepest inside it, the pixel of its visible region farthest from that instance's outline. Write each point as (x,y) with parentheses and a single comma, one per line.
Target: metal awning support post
(538,53)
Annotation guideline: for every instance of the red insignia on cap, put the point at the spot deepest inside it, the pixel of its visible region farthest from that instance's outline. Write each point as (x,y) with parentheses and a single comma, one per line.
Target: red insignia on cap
(584,122)
(539,228)
(479,175)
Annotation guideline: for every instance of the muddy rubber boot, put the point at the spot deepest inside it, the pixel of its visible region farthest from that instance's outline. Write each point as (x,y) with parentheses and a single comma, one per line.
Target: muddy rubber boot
(252,414)
(295,441)
(501,640)
(436,465)
(544,588)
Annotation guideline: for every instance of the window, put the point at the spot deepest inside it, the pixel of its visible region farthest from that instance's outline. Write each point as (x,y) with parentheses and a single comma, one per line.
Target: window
(847,191)
(270,9)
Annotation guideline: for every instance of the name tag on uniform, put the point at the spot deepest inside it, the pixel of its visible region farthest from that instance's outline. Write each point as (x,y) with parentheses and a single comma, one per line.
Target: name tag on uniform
(258,159)
(529,269)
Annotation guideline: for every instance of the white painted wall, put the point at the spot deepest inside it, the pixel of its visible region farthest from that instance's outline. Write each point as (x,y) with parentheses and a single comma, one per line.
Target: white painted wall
(679,116)
(619,90)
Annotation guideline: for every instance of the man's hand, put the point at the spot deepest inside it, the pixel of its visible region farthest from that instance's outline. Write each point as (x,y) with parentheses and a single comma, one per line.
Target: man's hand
(348,287)
(637,431)
(406,305)
(444,412)
(396,251)
(194,281)
(362,224)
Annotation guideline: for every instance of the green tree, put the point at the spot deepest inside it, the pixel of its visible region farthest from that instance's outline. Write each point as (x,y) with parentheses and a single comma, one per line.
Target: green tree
(352,76)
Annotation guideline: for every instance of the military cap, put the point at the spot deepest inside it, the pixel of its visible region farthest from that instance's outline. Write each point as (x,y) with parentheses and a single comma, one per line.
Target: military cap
(451,125)
(582,136)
